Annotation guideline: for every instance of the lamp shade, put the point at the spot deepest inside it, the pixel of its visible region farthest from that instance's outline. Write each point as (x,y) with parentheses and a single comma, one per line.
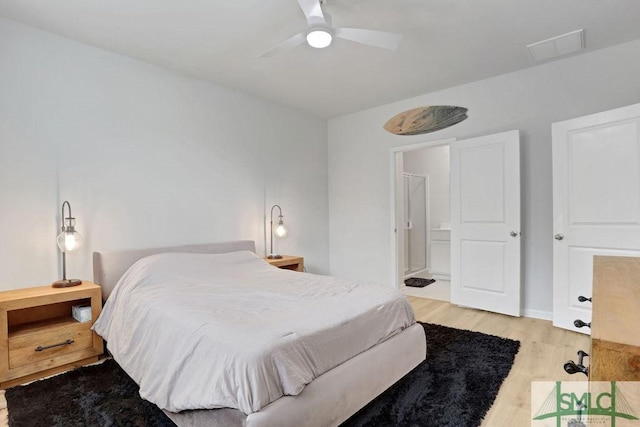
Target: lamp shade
(69,239)
(280,230)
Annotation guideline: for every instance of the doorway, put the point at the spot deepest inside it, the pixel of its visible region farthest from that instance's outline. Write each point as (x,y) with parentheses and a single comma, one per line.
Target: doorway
(485,220)
(423,230)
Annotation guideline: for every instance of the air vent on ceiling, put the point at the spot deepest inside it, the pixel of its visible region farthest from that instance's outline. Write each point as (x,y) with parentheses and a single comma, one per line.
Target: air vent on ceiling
(557,46)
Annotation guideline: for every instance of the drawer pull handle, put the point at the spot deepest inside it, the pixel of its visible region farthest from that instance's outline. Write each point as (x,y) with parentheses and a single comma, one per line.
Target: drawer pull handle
(583,299)
(572,367)
(40,348)
(579,323)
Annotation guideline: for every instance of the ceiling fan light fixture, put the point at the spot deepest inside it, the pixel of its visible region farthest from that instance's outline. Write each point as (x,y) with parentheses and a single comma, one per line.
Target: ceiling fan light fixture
(319,38)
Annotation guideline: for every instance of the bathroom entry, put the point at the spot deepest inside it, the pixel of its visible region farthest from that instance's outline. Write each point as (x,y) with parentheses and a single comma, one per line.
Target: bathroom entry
(481,227)
(427,232)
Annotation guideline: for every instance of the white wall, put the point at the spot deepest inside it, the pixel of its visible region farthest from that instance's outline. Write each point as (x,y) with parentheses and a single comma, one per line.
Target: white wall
(530,100)
(146,157)
(433,161)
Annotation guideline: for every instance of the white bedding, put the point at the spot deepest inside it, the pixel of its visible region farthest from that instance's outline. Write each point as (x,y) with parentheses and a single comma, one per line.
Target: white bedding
(203,331)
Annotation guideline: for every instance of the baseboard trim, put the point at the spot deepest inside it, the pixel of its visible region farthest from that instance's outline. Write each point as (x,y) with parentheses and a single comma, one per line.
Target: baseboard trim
(538,314)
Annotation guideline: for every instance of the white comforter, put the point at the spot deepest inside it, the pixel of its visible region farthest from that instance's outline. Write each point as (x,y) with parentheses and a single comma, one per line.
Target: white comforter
(202,331)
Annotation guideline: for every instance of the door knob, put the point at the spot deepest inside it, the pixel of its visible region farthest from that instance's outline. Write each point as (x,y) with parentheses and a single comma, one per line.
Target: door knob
(513,233)
(559,236)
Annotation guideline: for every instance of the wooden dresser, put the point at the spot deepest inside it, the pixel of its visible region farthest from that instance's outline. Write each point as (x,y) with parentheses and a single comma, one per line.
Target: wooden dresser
(615,324)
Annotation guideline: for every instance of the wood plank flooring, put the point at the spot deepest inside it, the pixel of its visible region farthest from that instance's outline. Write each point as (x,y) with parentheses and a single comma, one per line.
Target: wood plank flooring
(543,351)
(4,414)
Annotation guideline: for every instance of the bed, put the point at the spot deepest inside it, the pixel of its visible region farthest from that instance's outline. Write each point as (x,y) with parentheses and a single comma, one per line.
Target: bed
(329,398)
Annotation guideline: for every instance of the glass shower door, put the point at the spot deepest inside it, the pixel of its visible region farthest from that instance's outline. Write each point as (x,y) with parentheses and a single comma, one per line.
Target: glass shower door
(415,221)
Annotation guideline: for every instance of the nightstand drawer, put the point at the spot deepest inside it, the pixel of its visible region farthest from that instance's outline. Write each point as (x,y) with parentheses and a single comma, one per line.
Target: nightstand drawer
(27,349)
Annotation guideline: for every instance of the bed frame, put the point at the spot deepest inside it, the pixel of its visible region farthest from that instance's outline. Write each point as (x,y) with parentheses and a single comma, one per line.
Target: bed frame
(328,400)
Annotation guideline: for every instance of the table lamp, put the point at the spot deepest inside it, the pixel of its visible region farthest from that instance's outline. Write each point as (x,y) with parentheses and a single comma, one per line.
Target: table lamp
(68,241)
(279,231)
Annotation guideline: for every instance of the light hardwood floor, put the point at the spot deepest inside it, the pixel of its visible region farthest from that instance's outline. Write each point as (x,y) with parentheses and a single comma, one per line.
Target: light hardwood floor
(543,351)
(4,414)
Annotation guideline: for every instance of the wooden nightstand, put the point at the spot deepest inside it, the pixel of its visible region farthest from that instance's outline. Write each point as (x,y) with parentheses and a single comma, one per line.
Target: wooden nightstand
(288,262)
(40,337)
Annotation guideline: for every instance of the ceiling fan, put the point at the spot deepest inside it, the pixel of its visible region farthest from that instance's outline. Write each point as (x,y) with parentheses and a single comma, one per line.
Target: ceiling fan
(320,32)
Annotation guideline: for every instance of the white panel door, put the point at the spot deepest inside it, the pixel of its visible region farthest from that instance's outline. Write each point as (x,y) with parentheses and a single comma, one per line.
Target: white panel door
(596,203)
(485,223)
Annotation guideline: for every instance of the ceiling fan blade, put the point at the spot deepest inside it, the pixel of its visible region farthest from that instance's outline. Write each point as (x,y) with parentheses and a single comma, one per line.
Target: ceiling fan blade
(290,43)
(370,37)
(313,12)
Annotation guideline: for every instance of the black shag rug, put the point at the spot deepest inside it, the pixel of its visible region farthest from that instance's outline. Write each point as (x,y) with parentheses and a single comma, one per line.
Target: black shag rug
(96,395)
(418,282)
(455,386)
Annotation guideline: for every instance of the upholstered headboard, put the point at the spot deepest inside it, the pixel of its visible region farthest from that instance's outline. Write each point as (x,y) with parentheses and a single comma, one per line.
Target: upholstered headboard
(108,267)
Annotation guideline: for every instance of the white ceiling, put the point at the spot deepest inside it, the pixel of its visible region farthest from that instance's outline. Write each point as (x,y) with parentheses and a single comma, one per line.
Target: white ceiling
(446,42)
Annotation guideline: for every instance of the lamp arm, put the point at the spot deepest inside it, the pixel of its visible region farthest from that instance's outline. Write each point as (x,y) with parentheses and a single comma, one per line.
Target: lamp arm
(279,210)
(62,216)
(64,255)
(64,266)
(271,225)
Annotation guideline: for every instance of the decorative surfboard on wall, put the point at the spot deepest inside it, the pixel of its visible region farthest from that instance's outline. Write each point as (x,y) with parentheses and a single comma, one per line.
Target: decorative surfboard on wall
(425,119)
